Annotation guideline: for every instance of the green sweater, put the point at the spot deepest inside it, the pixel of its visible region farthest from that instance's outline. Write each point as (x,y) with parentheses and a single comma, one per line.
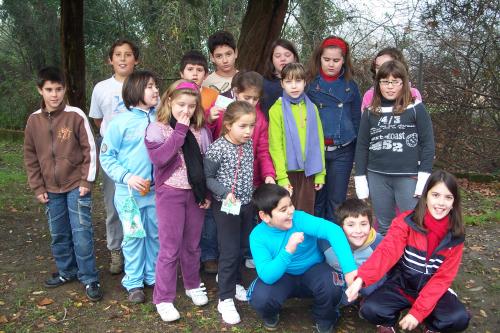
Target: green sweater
(277,140)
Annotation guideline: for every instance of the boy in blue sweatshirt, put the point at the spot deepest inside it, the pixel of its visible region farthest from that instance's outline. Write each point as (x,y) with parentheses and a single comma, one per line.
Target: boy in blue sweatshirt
(289,262)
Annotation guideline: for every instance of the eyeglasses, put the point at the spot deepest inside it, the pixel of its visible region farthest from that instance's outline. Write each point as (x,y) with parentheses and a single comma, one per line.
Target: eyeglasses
(393,83)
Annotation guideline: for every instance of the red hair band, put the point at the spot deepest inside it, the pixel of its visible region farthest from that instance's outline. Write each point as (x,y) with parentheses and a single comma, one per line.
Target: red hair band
(337,42)
(187,85)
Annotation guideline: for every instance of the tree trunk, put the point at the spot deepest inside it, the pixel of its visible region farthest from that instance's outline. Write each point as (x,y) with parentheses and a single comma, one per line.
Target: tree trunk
(260,28)
(73,51)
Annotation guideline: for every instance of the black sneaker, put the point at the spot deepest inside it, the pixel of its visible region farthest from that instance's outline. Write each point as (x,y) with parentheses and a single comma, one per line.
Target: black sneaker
(271,324)
(57,280)
(323,328)
(93,291)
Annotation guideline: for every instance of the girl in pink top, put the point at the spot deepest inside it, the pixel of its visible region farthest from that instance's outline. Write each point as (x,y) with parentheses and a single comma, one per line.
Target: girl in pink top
(387,54)
(176,143)
(247,86)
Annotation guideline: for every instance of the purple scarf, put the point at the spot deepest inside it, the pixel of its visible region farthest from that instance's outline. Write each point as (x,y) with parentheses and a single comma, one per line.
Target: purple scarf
(313,163)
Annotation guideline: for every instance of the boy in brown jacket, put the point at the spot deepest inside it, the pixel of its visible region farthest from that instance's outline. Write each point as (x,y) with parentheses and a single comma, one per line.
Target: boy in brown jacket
(60,160)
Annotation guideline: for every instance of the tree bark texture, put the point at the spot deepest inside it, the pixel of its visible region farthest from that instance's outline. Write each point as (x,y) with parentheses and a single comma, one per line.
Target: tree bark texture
(260,28)
(73,51)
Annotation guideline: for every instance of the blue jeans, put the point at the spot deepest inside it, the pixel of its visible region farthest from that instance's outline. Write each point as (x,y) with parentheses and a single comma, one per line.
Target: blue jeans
(338,165)
(70,224)
(208,241)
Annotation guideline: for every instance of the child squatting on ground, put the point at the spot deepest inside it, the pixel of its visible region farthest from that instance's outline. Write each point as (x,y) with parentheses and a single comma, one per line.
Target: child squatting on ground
(289,262)
(61,163)
(421,254)
(355,218)
(125,159)
(176,143)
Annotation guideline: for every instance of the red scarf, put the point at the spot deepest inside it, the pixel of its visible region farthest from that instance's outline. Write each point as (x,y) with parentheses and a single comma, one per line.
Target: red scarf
(328,78)
(436,230)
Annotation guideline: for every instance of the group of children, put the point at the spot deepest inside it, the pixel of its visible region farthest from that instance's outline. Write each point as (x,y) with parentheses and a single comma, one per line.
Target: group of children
(198,166)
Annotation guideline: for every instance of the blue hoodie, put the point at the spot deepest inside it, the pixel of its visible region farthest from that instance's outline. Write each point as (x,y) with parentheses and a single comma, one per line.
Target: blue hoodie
(123,151)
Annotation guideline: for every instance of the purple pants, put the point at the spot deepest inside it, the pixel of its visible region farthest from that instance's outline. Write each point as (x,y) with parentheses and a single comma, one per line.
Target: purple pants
(180,221)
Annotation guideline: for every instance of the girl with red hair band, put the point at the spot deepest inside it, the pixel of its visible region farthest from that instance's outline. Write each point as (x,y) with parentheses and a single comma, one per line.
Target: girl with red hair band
(337,97)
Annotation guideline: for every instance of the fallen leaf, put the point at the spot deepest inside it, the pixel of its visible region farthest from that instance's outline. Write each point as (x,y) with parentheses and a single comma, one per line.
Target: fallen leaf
(52,319)
(78,304)
(45,301)
(476,288)
(2,303)
(38,292)
(3,319)
(483,313)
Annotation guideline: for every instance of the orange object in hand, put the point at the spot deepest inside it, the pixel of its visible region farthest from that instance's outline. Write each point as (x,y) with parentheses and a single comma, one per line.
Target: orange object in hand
(146,188)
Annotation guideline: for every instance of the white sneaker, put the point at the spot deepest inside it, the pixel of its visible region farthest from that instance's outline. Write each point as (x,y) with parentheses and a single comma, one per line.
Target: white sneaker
(241,293)
(167,311)
(198,295)
(228,311)
(249,263)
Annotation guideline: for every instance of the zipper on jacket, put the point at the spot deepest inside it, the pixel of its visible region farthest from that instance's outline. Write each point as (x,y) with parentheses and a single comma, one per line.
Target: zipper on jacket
(52,149)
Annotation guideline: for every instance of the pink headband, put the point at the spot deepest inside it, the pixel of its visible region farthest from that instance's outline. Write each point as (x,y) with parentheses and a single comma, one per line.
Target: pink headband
(187,85)
(335,41)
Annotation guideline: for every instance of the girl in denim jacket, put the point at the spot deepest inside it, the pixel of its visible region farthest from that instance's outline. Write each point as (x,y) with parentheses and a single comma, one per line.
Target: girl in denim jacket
(338,100)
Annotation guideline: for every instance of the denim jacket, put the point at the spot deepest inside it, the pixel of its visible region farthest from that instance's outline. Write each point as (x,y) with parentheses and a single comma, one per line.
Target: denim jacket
(339,104)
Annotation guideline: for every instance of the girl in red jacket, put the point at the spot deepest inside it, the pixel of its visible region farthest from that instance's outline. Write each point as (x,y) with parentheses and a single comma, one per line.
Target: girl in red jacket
(422,253)
(247,86)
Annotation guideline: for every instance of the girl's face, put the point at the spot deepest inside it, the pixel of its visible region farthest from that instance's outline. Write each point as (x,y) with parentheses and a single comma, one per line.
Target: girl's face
(183,104)
(379,61)
(391,87)
(250,95)
(293,87)
(281,57)
(439,201)
(331,61)
(151,95)
(241,130)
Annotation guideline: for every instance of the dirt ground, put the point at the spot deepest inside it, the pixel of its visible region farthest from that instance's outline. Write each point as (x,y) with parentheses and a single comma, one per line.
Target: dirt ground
(26,306)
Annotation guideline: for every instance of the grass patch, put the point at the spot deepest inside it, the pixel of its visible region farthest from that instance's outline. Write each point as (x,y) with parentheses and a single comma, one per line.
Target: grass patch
(16,195)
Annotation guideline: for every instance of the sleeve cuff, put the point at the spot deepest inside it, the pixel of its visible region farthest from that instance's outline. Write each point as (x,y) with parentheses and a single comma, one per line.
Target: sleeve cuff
(421,181)
(361,185)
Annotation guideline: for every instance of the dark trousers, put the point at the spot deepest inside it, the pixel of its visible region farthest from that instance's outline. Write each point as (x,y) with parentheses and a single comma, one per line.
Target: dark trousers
(316,283)
(384,305)
(338,164)
(303,195)
(232,235)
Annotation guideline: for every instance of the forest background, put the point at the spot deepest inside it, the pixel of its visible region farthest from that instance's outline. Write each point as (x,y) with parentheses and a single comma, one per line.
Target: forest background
(452,48)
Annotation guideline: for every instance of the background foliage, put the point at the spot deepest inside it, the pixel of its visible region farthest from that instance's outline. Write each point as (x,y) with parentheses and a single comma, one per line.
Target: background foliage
(458,41)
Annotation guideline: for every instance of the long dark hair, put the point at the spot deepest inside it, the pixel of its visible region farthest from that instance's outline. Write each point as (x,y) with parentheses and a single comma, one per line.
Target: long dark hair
(315,61)
(456,222)
(269,70)
(398,71)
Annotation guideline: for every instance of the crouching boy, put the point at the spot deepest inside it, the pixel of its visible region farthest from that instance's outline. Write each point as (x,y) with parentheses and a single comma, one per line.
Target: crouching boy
(356,220)
(289,262)
(60,159)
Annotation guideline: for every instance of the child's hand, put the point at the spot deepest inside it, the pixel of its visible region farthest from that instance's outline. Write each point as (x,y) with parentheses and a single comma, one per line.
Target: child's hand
(206,204)
(408,322)
(137,183)
(215,111)
(43,198)
(269,180)
(318,187)
(83,191)
(231,197)
(295,239)
(349,277)
(289,188)
(353,290)
(183,118)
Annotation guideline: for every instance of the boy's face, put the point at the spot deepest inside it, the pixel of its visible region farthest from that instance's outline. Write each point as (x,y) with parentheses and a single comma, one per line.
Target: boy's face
(123,61)
(194,73)
(293,87)
(224,58)
(282,215)
(356,230)
(52,94)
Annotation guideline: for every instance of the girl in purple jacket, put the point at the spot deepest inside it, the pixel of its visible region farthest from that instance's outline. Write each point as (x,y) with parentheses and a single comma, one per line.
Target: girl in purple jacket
(176,143)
